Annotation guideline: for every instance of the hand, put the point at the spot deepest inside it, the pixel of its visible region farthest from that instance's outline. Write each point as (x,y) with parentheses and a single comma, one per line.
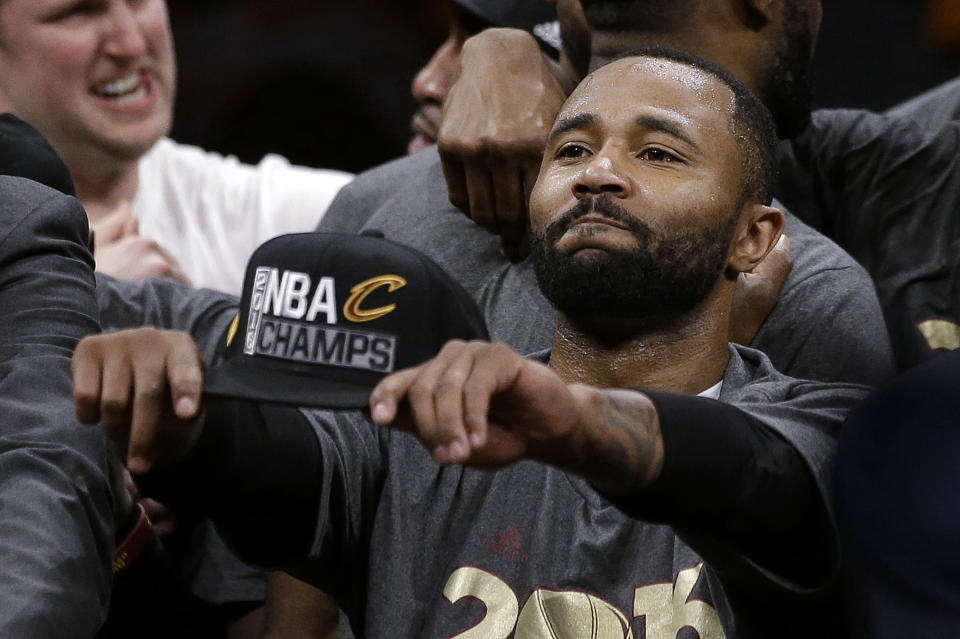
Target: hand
(478,403)
(756,293)
(120,251)
(484,405)
(144,386)
(496,119)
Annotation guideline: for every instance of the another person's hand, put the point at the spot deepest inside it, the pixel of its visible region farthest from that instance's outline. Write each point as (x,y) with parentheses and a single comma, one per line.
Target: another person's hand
(120,250)
(757,292)
(496,119)
(144,386)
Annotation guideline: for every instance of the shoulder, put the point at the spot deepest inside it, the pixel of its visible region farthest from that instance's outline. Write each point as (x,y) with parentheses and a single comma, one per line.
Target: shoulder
(855,133)
(177,165)
(414,182)
(753,384)
(379,183)
(32,211)
(814,252)
(933,108)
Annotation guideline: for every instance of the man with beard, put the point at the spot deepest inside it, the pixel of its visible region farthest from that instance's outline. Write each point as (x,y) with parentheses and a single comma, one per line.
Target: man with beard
(611,513)
(826,323)
(866,181)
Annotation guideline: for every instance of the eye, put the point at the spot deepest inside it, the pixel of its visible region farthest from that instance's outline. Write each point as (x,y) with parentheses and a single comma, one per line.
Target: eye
(572,151)
(656,154)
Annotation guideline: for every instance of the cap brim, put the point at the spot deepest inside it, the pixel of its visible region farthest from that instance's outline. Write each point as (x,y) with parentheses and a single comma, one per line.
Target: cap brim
(279,387)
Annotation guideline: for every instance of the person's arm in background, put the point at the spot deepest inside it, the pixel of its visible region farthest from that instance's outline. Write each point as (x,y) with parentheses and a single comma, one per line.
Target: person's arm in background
(57,529)
(934,108)
(496,118)
(166,304)
(887,190)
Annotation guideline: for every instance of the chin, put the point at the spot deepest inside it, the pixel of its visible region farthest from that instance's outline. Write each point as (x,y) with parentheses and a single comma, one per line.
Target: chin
(135,139)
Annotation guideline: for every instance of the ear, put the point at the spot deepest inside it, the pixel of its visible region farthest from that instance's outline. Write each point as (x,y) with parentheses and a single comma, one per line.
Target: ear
(763,9)
(757,233)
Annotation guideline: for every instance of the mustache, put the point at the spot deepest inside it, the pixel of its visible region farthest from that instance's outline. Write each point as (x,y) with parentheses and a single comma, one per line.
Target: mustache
(605,205)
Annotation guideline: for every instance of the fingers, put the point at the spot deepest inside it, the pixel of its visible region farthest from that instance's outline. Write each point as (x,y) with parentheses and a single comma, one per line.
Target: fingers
(433,393)
(389,393)
(482,207)
(116,224)
(427,399)
(143,385)
(493,194)
(511,209)
(184,372)
(757,292)
(137,258)
(449,399)
(131,225)
(149,398)
(448,395)
(777,264)
(86,381)
(115,390)
(456,179)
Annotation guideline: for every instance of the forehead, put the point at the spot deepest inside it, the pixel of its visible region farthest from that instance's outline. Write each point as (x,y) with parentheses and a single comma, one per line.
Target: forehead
(626,88)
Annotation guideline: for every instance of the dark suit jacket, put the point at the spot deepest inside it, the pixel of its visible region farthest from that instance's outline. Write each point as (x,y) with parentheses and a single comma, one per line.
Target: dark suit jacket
(56,505)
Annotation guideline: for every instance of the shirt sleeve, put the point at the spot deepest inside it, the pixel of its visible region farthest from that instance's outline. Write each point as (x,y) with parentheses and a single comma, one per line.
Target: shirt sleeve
(887,190)
(165,303)
(281,485)
(56,532)
(730,479)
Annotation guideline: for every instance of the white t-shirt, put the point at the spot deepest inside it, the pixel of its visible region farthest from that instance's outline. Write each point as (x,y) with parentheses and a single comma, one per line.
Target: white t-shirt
(210,212)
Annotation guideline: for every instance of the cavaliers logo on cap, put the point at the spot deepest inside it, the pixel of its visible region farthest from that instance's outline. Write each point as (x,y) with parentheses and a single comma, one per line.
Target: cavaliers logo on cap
(352,310)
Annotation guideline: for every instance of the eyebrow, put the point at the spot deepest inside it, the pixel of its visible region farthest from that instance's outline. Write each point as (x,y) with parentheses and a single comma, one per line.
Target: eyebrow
(579,121)
(652,122)
(664,125)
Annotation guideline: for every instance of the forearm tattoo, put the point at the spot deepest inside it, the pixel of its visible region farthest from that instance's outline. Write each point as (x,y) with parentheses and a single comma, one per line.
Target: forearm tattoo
(619,451)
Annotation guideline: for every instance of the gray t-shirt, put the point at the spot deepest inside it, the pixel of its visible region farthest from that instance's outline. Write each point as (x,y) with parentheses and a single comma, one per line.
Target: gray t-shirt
(887,190)
(413,549)
(826,325)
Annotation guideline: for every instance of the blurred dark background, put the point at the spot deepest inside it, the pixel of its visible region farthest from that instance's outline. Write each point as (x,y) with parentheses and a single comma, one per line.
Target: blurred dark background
(327,82)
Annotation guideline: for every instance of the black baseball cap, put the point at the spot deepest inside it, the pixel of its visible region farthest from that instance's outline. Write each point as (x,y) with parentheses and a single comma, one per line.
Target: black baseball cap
(325,316)
(539,17)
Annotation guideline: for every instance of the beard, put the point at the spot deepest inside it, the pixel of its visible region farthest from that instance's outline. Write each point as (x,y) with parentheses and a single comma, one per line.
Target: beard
(788,89)
(644,288)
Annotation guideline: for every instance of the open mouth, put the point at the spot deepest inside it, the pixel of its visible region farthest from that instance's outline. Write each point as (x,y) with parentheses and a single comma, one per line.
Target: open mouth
(126,91)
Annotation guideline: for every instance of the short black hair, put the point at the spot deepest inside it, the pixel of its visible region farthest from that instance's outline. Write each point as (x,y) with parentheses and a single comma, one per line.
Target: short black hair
(635,15)
(751,123)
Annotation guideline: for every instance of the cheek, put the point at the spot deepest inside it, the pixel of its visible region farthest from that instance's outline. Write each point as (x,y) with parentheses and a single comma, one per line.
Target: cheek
(156,27)
(62,58)
(549,195)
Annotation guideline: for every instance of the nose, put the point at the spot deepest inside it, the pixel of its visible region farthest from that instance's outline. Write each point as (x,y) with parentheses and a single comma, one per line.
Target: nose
(124,35)
(602,174)
(432,82)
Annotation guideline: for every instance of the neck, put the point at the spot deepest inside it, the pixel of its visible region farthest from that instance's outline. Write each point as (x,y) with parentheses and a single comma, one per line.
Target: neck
(102,191)
(686,355)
